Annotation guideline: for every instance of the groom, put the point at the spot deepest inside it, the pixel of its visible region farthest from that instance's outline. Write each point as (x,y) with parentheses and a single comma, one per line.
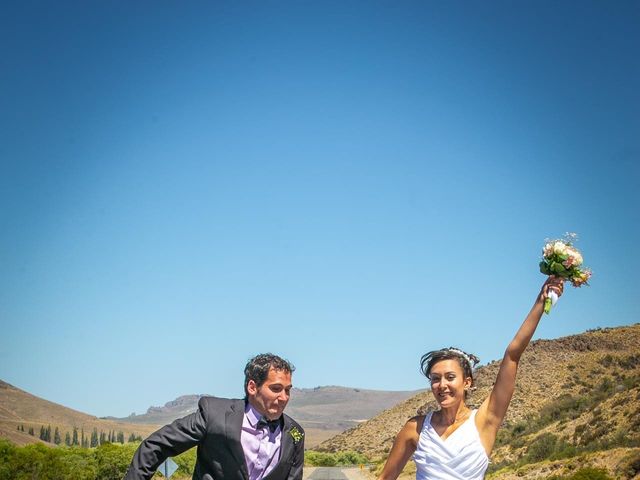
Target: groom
(250,439)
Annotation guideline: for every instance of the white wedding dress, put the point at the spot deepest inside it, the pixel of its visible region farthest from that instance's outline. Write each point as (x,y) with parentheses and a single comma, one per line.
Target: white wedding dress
(460,456)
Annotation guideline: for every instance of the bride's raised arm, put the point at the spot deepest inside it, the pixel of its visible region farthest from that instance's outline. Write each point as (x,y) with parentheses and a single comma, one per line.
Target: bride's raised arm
(494,408)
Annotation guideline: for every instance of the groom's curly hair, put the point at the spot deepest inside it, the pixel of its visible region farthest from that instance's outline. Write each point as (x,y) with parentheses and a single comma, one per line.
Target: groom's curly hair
(257,368)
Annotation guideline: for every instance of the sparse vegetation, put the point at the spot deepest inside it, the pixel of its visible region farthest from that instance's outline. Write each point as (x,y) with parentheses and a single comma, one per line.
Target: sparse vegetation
(587,473)
(324,459)
(577,398)
(629,467)
(596,435)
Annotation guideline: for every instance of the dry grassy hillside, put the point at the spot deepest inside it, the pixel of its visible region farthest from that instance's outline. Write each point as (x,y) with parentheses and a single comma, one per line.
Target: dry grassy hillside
(19,408)
(582,391)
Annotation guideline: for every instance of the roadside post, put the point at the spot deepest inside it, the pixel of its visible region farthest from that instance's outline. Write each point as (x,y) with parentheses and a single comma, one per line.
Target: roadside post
(168,468)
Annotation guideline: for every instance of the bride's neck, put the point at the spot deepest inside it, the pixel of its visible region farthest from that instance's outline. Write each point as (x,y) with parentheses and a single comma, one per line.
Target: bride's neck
(450,416)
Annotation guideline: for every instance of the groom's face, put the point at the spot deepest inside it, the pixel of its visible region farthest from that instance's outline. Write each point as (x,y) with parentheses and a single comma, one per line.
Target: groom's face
(272,396)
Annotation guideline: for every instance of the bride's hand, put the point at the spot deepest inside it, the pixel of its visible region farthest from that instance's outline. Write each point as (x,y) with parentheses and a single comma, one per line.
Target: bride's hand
(552,283)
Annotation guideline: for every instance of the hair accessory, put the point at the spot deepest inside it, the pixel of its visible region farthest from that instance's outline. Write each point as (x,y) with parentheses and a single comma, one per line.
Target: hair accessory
(471,361)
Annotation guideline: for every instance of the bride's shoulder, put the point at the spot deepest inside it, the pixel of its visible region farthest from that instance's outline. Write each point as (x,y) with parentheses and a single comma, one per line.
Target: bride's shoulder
(416,423)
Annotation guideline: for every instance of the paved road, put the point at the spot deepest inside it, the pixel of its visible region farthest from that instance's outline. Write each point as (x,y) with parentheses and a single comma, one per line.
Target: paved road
(327,473)
(333,473)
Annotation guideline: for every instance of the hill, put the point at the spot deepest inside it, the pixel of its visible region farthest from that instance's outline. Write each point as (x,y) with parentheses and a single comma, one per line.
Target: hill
(181,406)
(341,407)
(577,402)
(322,411)
(20,410)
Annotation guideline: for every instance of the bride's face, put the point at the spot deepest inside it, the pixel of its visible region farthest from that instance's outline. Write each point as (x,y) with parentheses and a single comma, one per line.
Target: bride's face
(448,382)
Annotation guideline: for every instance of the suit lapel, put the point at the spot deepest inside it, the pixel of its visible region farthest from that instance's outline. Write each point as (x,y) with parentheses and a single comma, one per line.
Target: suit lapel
(286,441)
(286,451)
(233,429)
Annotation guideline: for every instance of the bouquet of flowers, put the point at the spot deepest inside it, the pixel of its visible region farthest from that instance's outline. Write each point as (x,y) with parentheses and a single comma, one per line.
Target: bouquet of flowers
(562,259)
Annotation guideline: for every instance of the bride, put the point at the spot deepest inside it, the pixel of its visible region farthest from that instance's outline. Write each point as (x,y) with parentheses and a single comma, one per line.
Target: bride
(455,442)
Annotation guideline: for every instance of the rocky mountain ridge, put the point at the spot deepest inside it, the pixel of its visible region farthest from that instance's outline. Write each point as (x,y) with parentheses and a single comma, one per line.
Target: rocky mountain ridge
(328,407)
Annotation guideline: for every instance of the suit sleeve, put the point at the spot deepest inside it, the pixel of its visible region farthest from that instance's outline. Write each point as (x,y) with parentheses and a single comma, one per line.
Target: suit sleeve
(298,462)
(169,441)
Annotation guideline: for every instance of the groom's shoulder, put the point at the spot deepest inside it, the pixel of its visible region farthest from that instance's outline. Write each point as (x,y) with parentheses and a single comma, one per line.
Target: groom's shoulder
(209,402)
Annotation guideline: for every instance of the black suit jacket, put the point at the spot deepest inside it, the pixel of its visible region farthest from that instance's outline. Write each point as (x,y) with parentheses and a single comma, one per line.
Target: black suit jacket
(215,429)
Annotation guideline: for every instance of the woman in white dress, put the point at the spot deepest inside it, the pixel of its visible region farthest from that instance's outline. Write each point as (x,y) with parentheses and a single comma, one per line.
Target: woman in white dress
(455,442)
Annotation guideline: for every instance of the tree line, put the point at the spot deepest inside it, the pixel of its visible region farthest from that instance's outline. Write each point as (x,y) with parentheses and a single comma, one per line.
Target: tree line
(79,438)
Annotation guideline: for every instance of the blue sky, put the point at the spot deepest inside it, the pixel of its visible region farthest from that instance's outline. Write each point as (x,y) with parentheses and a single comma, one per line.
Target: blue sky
(348,184)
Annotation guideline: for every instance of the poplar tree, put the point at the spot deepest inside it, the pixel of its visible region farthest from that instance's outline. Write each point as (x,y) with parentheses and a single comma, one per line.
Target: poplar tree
(56,437)
(94,437)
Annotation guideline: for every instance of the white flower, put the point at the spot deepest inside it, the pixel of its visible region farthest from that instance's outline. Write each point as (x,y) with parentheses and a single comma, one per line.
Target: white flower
(574,256)
(547,250)
(559,248)
(577,258)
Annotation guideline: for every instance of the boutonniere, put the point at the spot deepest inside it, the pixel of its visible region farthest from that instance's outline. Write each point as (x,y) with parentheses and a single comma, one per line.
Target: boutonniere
(296,435)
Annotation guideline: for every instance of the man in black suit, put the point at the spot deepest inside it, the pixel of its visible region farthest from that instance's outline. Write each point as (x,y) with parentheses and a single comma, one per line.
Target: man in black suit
(250,439)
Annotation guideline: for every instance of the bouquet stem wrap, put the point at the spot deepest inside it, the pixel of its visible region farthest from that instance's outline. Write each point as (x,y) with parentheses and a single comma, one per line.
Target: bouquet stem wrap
(550,301)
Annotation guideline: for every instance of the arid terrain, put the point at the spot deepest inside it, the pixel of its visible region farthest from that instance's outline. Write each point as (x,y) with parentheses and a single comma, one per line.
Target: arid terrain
(20,409)
(577,399)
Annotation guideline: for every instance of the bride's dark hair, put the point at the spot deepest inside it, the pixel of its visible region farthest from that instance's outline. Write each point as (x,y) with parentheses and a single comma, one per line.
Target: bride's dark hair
(467,361)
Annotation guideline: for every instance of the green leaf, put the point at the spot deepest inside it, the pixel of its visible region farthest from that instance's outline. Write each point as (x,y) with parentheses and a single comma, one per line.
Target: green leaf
(544,268)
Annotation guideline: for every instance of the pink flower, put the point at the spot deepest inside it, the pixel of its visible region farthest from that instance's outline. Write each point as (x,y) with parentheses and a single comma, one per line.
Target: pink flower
(581,278)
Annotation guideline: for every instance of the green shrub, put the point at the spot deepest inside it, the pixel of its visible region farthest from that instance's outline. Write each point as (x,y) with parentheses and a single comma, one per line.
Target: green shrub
(113,460)
(324,459)
(40,462)
(7,452)
(79,463)
(186,462)
(350,458)
(586,473)
(629,467)
(319,459)
(541,448)
(589,473)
